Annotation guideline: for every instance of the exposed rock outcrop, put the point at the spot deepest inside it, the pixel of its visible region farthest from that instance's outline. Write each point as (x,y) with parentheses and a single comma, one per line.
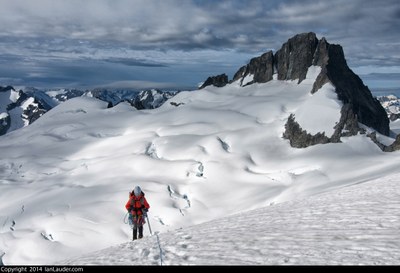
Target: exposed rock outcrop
(218,81)
(395,146)
(347,125)
(260,68)
(296,56)
(291,62)
(299,138)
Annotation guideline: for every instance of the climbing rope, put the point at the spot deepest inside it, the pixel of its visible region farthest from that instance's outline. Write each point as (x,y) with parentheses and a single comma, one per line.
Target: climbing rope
(159,246)
(126,221)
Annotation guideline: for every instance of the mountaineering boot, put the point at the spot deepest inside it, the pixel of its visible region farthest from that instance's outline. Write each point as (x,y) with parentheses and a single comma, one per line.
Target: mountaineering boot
(134,234)
(140,232)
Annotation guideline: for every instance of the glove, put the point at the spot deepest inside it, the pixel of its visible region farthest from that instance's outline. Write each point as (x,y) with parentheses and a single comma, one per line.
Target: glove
(129,209)
(145,211)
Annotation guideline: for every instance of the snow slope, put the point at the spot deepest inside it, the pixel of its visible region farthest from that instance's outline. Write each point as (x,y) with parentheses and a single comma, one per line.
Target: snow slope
(65,178)
(355,225)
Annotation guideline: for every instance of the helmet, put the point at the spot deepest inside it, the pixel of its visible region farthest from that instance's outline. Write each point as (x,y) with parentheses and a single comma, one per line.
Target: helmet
(137,191)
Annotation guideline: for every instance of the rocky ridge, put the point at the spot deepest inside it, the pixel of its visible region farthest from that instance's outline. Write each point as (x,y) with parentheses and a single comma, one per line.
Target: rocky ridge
(292,61)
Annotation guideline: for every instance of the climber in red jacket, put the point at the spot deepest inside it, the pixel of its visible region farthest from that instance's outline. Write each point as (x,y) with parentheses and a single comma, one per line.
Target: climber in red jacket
(137,207)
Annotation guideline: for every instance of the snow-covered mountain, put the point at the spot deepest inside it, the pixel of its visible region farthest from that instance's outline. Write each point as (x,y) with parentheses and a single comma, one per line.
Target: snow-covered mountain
(391,104)
(151,99)
(293,61)
(21,108)
(201,158)
(17,109)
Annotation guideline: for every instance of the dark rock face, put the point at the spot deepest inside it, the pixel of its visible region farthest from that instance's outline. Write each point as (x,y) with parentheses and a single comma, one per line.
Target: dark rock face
(372,136)
(5,121)
(240,74)
(262,69)
(394,117)
(299,138)
(349,87)
(218,81)
(5,124)
(347,125)
(296,56)
(5,89)
(321,58)
(291,62)
(395,146)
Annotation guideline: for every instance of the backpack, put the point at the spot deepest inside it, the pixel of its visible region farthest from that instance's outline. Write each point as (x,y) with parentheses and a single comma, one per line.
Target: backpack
(133,202)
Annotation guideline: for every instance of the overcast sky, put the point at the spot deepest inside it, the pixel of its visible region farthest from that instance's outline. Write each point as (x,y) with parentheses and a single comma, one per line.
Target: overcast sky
(179,43)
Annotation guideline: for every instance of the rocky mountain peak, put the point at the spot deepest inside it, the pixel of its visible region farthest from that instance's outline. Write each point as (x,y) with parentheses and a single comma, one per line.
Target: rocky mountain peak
(296,56)
(292,61)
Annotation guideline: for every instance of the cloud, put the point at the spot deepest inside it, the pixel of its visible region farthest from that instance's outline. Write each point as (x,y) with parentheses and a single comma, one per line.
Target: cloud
(174,33)
(129,21)
(186,25)
(134,62)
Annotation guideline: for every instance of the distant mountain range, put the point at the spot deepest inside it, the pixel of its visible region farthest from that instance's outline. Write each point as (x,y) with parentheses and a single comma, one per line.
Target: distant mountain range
(391,104)
(19,108)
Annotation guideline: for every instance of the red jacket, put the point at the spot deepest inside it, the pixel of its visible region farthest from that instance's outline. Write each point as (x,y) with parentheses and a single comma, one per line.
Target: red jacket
(136,204)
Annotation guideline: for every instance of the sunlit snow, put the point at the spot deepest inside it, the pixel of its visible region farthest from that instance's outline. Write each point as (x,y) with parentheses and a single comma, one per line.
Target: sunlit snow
(65,180)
